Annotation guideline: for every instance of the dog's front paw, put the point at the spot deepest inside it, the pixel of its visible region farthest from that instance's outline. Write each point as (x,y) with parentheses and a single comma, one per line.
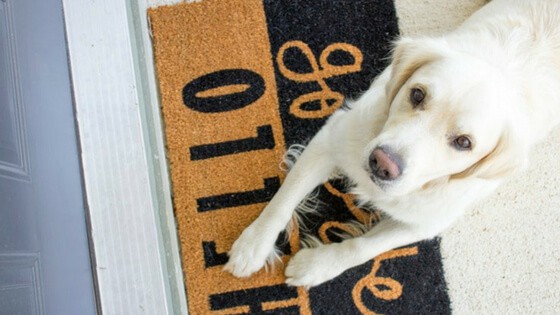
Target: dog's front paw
(251,251)
(313,266)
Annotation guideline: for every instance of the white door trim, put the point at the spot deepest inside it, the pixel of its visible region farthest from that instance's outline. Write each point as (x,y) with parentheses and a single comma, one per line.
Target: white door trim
(136,253)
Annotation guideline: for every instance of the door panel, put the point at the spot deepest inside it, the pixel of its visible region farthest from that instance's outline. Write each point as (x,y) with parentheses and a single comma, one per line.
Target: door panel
(44,254)
(13,150)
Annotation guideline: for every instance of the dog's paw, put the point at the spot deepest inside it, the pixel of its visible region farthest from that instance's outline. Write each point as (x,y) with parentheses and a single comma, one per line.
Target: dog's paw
(313,266)
(251,252)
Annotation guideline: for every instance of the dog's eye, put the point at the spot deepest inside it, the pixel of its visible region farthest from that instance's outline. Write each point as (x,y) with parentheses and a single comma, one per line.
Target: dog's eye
(462,143)
(417,97)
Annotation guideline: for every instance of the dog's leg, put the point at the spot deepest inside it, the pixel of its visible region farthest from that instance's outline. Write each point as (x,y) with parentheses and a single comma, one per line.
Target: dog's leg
(255,246)
(313,266)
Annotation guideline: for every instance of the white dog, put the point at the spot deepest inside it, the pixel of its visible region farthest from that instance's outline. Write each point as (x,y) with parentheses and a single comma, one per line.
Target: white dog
(438,130)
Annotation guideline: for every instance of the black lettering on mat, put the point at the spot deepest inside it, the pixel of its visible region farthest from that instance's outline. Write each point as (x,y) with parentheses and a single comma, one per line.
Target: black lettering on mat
(254,299)
(271,185)
(211,257)
(252,85)
(263,140)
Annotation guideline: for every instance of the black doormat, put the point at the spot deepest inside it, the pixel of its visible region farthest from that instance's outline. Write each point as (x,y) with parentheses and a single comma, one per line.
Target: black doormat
(240,81)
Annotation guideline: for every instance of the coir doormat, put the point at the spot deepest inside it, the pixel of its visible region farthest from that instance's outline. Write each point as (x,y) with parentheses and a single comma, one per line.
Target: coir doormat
(240,81)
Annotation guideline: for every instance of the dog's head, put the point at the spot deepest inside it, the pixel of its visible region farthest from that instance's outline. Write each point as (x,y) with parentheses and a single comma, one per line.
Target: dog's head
(451,116)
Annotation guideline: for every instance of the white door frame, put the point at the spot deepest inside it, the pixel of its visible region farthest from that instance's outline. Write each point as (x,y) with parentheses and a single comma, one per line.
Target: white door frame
(132,230)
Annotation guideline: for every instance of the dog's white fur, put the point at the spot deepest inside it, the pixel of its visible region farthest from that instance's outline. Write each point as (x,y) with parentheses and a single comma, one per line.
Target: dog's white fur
(495,79)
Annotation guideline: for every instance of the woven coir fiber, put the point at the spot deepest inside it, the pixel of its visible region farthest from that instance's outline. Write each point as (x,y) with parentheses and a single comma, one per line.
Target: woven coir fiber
(240,81)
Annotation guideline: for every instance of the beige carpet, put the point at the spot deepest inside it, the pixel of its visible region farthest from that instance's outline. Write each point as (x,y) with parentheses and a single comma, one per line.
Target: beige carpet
(503,257)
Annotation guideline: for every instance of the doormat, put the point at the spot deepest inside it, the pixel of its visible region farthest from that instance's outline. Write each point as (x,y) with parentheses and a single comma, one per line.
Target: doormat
(240,82)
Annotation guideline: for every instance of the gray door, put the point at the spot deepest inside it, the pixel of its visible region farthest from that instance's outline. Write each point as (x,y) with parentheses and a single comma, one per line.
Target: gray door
(44,254)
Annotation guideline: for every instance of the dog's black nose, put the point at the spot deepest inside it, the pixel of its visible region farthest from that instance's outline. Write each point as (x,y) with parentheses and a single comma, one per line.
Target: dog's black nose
(384,164)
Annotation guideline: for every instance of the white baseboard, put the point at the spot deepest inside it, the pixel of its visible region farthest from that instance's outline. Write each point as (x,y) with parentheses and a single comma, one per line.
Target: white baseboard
(136,253)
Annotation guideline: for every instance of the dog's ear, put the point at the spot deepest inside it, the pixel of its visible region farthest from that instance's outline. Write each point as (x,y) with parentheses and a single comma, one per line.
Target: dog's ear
(507,157)
(408,56)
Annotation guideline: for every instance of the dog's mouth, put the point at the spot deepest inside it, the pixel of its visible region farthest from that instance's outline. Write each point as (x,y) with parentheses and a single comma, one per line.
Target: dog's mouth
(383,184)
